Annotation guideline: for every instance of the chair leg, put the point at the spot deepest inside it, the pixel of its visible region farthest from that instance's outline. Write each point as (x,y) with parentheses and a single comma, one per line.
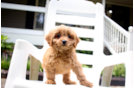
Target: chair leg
(107,75)
(34,68)
(129,81)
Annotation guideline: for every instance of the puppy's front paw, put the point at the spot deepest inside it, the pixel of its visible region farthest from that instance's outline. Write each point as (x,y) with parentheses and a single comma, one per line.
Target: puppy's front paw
(50,82)
(86,83)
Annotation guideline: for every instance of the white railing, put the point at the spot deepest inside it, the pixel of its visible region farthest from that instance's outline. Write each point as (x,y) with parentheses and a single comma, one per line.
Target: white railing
(116,38)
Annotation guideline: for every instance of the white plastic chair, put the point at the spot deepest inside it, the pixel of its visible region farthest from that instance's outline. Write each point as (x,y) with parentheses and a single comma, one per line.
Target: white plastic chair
(76,12)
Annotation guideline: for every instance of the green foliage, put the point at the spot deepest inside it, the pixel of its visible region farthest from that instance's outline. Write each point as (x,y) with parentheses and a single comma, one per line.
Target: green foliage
(84,52)
(28,64)
(40,68)
(119,70)
(87,39)
(101,73)
(4,38)
(5,64)
(86,66)
(5,45)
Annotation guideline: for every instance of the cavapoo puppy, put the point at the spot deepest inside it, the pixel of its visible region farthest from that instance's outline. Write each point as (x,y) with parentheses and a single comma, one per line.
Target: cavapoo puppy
(61,57)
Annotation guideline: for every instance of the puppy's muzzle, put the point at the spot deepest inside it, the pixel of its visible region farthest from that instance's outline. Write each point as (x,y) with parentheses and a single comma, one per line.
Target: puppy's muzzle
(64,42)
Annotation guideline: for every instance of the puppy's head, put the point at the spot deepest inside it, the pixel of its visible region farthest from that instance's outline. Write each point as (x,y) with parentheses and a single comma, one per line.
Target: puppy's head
(62,38)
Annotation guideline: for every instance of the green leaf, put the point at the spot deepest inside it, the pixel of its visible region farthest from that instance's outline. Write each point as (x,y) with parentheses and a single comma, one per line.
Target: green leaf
(119,70)
(4,38)
(8,46)
(2,45)
(5,64)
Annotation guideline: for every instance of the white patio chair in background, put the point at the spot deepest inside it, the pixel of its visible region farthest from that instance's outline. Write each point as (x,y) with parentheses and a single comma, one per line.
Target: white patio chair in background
(70,12)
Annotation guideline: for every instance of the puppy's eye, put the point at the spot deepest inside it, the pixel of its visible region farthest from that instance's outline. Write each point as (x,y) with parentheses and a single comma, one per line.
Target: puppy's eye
(69,36)
(58,35)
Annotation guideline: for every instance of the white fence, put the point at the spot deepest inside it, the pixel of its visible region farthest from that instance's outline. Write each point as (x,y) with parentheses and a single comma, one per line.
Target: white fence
(116,38)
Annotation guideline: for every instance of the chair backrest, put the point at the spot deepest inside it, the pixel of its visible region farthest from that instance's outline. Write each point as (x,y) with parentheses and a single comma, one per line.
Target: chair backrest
(84,17)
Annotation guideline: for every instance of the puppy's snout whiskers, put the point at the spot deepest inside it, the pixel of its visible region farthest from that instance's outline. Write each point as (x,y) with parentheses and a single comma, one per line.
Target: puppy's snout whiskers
(64,42)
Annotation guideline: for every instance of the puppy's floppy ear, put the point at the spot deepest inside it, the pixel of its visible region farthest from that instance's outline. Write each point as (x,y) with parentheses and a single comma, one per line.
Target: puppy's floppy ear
(49,37)
(77,40)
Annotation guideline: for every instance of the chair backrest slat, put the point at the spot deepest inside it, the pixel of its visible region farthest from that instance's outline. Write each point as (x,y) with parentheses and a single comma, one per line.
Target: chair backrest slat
(76,20)
(76,6)
(84,45)
(86,59)
(84,32)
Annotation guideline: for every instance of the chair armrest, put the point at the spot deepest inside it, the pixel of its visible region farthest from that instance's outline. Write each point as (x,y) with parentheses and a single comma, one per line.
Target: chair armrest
(19,59)
(118,58)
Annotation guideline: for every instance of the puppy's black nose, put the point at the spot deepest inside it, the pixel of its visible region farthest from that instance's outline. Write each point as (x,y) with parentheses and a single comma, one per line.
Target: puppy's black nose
(64,42)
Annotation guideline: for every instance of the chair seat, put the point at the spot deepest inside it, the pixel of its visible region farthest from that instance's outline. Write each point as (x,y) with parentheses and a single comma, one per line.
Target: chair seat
(21,83)
(59,77)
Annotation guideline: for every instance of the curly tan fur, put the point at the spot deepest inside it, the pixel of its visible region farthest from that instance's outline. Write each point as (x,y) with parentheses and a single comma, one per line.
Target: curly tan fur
(61,58)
